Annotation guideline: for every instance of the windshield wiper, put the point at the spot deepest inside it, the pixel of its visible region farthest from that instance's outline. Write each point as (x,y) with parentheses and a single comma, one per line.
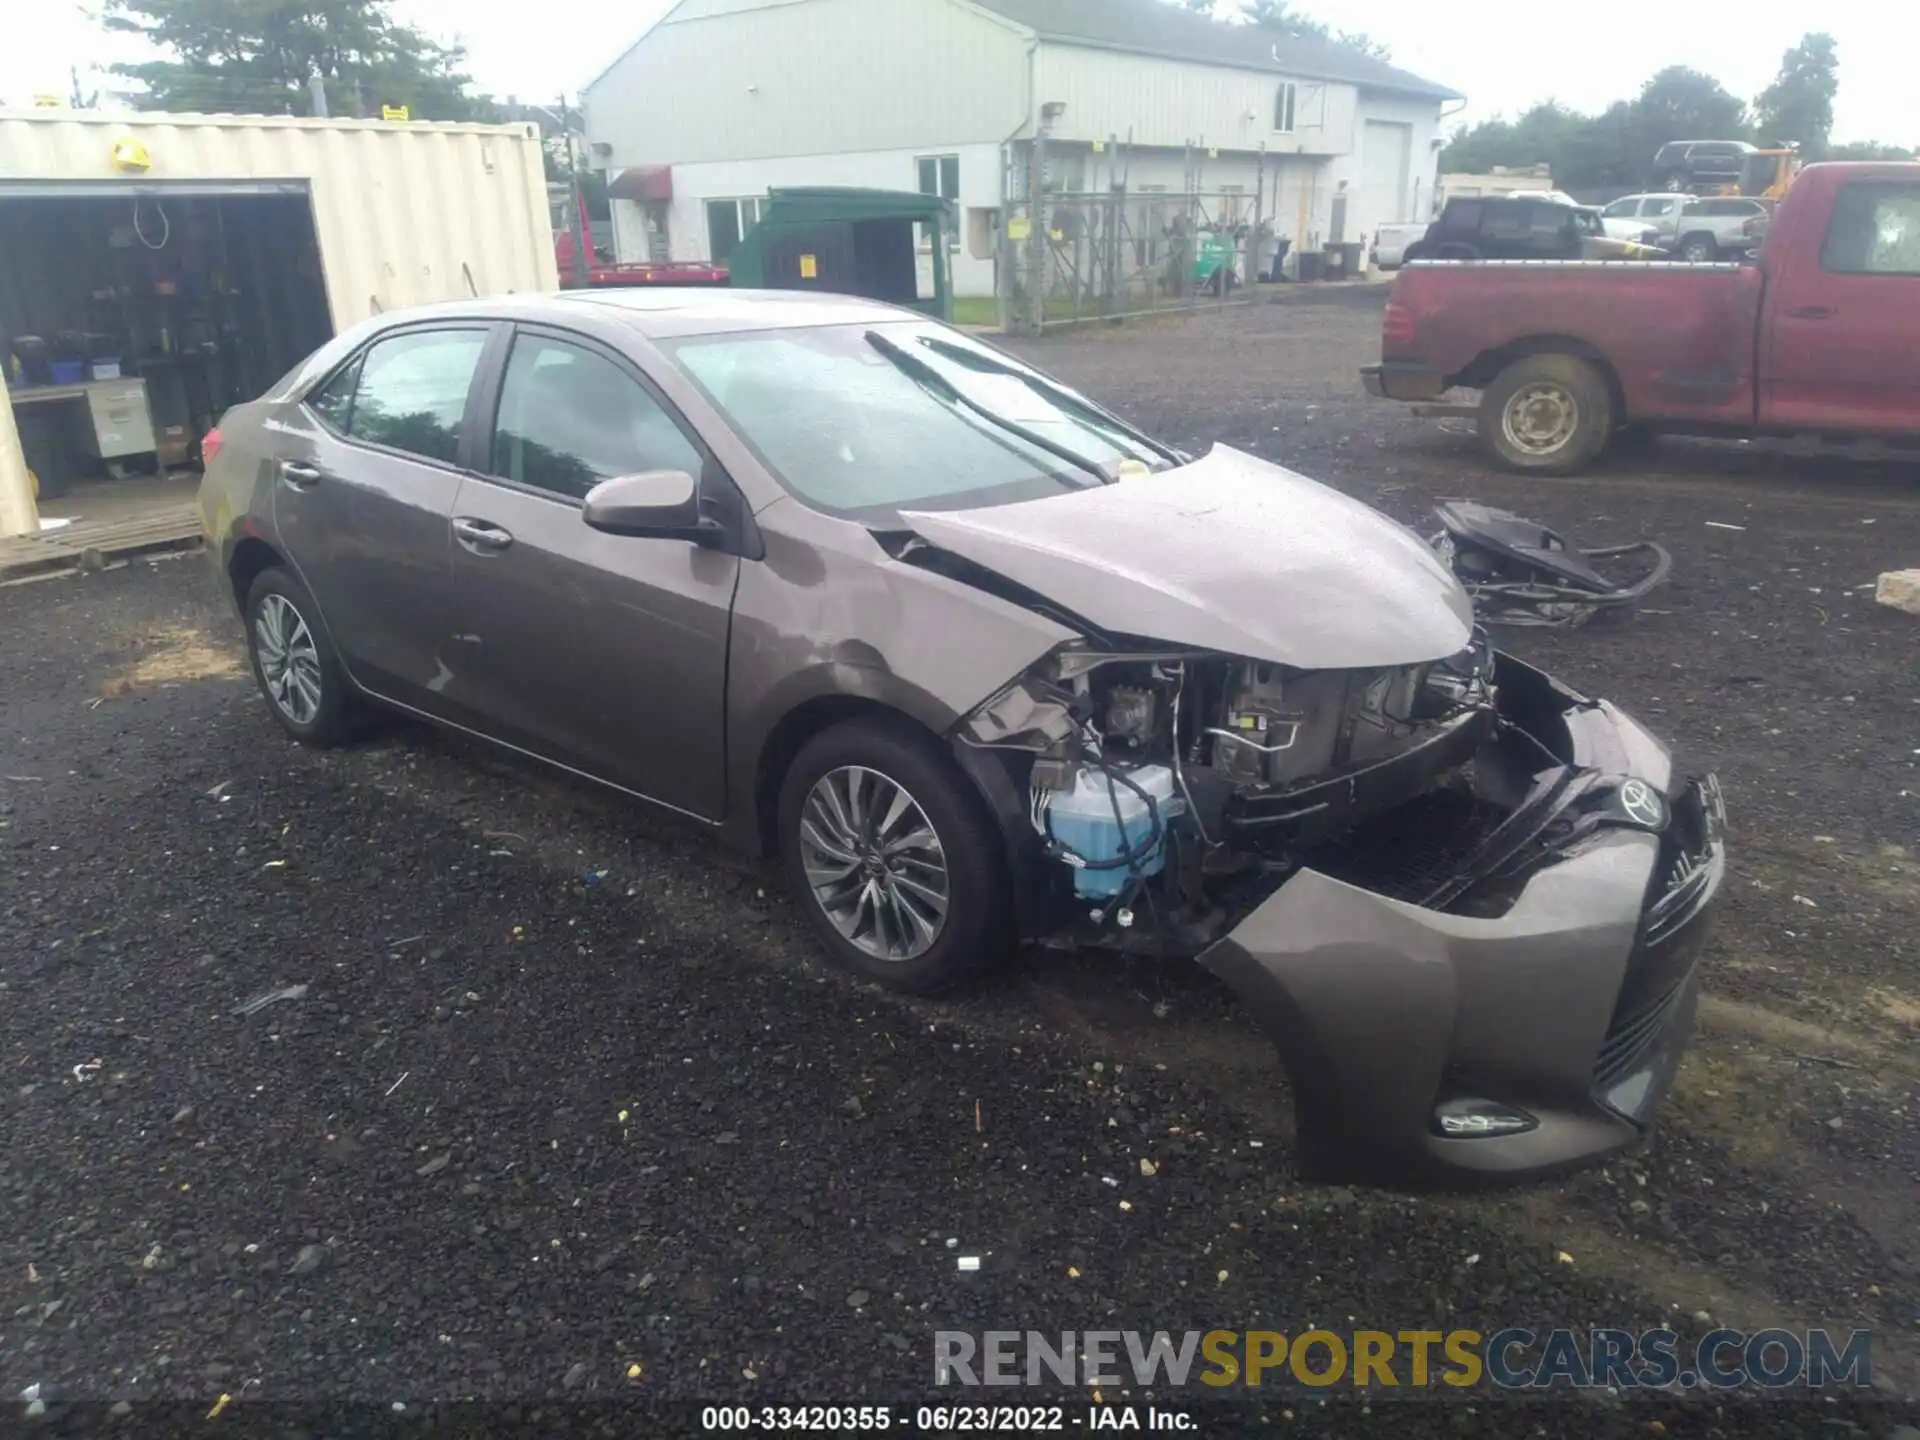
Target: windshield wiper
(1088,413)
(931,380)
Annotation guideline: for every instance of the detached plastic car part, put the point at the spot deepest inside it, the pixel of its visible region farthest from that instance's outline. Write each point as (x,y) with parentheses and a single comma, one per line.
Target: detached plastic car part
(1521,573)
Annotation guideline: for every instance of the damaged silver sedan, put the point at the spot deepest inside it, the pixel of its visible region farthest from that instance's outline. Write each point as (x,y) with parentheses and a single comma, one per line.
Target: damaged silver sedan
(983,664)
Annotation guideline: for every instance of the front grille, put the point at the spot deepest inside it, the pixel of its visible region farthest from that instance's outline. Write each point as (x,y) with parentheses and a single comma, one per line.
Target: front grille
(1417,851)
(1667,947)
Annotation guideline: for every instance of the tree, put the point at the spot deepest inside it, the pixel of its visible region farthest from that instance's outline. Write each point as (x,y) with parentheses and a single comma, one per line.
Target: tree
(1281,16)
(1798,107)
(1608,150)
(1870,150)
(258,57)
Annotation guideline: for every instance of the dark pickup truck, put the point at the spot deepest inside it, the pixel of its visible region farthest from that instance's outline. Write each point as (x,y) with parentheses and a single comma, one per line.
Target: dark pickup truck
(1816,334)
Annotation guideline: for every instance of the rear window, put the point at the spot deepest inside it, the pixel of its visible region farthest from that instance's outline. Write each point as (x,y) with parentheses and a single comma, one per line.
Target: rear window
(1875,230)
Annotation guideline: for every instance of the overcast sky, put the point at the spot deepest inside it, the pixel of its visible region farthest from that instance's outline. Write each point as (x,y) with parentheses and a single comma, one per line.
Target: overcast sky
(1502,53)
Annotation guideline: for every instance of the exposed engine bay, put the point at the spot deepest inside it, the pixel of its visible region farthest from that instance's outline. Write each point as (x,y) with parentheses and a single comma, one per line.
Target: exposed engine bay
(1171,791)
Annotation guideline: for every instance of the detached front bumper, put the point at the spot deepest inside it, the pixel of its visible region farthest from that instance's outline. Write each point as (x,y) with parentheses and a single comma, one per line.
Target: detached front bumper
(1564,1017)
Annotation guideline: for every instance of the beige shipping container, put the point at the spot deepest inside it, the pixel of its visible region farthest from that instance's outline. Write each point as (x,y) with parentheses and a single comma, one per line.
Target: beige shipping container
(405,213)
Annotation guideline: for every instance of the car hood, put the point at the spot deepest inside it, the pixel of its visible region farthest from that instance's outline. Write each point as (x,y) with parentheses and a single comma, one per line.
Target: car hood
(1229,553)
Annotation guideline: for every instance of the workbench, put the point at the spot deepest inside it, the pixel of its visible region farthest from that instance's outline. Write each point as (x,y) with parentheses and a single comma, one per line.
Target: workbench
(120,422)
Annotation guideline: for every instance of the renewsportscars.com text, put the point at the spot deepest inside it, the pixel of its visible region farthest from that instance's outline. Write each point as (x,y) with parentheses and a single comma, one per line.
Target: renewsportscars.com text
(1515,1358)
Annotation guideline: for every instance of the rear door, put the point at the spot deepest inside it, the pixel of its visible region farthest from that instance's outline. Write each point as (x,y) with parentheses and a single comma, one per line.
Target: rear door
(1842,346)
(606,653)
(367,467)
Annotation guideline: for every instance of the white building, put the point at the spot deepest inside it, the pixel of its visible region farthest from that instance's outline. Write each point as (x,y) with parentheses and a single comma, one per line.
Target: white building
(723,100)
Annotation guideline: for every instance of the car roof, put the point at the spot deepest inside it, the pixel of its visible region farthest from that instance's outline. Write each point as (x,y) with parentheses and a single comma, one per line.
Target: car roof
(663,312)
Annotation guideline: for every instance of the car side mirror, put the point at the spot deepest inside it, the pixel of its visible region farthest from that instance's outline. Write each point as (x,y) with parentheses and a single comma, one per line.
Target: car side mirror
(656,504)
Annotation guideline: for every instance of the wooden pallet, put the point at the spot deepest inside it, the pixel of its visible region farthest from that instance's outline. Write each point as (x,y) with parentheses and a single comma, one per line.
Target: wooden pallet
(90,544)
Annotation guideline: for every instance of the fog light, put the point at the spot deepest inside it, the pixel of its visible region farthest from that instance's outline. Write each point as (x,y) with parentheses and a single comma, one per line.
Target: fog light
(1476,1119)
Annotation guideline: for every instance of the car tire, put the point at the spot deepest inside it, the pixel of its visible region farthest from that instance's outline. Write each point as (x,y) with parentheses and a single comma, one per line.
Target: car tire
(1546,415)
(1698,249)
(966,904)
(294,662)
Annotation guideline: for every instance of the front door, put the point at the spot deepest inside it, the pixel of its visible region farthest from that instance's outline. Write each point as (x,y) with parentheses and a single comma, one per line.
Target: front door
(1840,348)
(363,493)
(603,652)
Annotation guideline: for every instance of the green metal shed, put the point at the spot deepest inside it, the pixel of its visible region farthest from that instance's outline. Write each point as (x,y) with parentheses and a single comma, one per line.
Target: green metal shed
(851,242)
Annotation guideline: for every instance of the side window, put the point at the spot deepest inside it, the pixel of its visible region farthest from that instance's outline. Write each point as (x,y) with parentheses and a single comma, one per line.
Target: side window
(333,401)
(412,391)
(1461,215)
(1875,230)
(570,418)
(1620,209)
(1660,207)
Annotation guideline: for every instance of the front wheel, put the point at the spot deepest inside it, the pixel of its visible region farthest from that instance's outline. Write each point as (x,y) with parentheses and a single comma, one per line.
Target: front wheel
(1546,415)
(891,854)
(1698,249)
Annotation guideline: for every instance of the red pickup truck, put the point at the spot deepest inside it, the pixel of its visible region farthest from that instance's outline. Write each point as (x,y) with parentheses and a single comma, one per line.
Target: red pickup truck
(1817,334)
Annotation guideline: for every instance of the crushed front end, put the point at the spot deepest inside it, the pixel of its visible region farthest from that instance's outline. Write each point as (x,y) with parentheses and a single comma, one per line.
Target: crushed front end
(1466,903)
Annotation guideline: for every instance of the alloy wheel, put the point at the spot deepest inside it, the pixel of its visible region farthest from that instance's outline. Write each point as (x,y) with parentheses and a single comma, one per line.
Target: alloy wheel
(289,659)
(874,863)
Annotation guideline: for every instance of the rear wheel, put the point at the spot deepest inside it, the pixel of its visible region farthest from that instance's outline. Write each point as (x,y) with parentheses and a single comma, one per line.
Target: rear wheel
(1698,249)
(295,663)
(1546,415)
(892,857)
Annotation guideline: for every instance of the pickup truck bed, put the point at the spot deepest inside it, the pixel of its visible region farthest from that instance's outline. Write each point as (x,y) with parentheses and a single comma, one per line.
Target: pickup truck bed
(1819,335)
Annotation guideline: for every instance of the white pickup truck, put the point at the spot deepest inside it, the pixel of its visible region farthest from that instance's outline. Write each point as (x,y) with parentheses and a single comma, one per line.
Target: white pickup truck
(1390,242)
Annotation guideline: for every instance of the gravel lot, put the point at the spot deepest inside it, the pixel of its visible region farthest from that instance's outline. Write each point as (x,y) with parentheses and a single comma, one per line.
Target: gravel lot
(567,1092)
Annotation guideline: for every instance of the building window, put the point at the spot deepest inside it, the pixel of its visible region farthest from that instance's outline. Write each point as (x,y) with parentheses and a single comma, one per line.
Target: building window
(1283,103)
(940,175)
(727,221)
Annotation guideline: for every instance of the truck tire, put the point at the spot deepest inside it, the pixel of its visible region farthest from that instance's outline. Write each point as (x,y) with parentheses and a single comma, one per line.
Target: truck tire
(1546,415)
(1698,249)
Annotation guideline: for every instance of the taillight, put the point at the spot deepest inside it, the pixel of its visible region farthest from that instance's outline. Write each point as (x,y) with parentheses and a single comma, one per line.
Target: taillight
(209,445)
(1396,326)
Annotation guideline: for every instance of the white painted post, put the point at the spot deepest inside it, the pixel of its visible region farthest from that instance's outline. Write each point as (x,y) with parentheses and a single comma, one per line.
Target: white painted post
(18,514)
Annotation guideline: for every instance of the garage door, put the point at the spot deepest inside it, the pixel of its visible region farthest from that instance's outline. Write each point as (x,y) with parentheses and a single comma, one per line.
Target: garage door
(1386,155)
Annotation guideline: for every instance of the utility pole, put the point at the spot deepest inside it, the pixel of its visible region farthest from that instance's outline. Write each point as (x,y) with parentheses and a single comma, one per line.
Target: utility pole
(575,201)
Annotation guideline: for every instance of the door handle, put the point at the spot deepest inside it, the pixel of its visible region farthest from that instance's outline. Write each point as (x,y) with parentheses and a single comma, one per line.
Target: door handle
(480,535)
(1812,312)
(299,475)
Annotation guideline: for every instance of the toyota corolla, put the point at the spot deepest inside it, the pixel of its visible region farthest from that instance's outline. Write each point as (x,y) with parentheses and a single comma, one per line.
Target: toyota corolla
(981,664)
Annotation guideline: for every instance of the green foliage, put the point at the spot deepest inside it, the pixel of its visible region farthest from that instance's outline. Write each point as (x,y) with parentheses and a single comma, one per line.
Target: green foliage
(1613,148)
(256,57)
(1798,107)
(1280,15)
(1870,150)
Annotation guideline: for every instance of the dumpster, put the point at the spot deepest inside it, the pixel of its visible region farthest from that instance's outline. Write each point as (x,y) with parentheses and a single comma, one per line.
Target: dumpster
(850,242)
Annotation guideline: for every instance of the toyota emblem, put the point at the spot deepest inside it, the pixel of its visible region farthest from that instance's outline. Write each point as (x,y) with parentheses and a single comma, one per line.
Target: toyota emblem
(1642,804)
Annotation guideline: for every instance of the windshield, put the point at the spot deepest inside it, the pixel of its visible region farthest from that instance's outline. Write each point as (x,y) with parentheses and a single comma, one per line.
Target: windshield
(868,420)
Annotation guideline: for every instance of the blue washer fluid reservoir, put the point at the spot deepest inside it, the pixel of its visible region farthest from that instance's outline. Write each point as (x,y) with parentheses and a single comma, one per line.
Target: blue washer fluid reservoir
(1082,819)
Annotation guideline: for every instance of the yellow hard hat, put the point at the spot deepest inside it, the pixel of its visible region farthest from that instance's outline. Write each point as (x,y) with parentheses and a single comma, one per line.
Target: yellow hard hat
(130,154)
